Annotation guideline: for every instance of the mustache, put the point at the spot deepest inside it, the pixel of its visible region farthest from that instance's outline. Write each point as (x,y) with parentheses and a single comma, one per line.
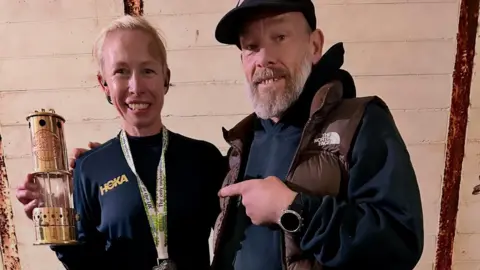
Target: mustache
(268,73)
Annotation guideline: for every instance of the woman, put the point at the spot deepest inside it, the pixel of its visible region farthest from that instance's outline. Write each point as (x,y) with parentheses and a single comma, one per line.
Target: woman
(161,170)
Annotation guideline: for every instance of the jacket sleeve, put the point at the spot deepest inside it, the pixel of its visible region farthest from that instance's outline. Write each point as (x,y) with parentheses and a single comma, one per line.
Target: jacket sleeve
(89,252)
(379,225)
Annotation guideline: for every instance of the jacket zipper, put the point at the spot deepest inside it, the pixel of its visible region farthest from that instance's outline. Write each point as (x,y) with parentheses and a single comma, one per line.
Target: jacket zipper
(294,160)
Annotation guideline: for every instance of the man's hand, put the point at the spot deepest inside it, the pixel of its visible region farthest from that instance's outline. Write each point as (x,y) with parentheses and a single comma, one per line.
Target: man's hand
(76,152)
(28,193)
(264,199)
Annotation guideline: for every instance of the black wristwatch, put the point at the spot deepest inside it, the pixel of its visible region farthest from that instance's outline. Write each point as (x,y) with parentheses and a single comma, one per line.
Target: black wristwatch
(291,219)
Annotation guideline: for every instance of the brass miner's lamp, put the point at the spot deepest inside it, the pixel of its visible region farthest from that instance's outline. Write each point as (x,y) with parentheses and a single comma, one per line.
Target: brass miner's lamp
(54,218)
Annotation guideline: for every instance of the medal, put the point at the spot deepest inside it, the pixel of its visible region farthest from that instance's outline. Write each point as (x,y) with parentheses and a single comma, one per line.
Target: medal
(157,214)
(165,265)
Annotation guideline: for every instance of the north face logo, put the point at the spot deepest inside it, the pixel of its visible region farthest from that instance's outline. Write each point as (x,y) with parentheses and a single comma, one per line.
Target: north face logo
(329,138)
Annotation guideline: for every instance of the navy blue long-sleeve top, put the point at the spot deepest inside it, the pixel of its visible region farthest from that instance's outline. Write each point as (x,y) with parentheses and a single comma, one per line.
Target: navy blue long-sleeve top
(113,229)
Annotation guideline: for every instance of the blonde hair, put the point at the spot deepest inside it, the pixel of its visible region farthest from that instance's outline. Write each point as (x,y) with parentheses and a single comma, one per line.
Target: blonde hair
(129,22)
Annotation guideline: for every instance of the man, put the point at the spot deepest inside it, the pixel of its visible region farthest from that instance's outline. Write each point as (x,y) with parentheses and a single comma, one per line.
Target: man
(319,179)
(120,227)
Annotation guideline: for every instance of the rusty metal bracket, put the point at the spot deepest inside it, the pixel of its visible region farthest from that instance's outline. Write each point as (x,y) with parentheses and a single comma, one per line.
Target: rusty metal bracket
(462,79)
(133,7)
(8,237)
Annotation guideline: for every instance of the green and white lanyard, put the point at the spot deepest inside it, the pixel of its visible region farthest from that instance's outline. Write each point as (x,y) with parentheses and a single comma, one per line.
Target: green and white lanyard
(157,215)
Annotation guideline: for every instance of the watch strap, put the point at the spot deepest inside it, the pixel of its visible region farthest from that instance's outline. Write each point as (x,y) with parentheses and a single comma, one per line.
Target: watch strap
(297,204)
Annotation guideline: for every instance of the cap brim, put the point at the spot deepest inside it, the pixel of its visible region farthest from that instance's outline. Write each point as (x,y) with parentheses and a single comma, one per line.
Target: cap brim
(228,28)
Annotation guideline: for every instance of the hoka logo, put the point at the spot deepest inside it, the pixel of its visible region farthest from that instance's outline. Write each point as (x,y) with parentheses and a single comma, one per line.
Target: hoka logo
(115,182)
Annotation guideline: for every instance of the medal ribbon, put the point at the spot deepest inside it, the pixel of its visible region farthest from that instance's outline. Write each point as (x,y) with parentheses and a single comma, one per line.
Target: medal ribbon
(157,214)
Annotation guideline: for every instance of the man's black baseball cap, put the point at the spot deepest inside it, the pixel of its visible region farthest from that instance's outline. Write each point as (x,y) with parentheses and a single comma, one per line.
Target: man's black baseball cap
(228,28)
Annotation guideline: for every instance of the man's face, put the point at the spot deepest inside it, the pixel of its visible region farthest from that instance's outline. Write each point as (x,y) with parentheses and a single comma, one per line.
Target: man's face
(135,75)
(278,52)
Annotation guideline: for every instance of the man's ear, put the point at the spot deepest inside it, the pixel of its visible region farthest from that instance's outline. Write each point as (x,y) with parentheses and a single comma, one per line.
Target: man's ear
(317,42)
(167,80)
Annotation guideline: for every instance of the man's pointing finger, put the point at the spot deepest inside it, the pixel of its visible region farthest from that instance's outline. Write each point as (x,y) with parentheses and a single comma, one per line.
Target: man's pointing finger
(232,190)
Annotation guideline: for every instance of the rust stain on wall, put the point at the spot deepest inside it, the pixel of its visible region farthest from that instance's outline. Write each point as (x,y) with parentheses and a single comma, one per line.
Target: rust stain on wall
(8,238)
(462,78)
(476,189)
(133,7)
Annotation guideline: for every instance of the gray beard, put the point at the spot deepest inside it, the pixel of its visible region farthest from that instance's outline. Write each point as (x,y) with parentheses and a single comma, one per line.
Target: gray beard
(273,102)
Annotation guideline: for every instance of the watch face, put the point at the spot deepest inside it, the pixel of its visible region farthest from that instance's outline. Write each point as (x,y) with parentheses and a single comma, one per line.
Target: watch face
(290,222)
